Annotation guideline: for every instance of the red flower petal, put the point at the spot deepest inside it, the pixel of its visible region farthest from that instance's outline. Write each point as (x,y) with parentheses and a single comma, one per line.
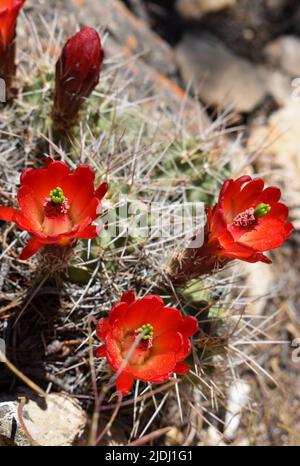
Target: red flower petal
(270,195)
(161,379)
(143,311)
(39,181)
(269,234)
(219,227)
(113,352)
(31,207)
(167,342)
(86,172)
(289,229)
(279,211)
(236,250)
(168,319)
(101,351)
(189,326)
(118,312)
(90,210)
(33,246)
(156,366)
(128,297)
(101,191)
(248,196)
(58,171)
(185,351)
(79,190)
(89,232)
(102,328)
(48,162)
(7,214)
(228,195)
(181,368)
(124,382)
(25,223)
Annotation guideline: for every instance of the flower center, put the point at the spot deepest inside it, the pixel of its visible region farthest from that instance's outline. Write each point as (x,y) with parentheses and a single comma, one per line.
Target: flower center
(261,210)
(57,195)
(146,331)
(56,204)
(249,217)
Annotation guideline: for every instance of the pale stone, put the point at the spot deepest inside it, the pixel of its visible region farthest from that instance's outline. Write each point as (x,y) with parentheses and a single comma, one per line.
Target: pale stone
(237,400)
(284,52)
(198,8)
(278,84)
(260,283)
(221,78)
(56,421)
(279,149)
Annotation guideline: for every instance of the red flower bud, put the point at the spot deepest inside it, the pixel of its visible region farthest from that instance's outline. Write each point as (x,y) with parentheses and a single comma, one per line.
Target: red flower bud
(9,10)
(77,74)
(247,221)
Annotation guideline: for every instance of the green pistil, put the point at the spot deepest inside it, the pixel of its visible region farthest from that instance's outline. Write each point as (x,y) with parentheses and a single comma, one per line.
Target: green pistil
(57,195)
(261,210)
(146,331)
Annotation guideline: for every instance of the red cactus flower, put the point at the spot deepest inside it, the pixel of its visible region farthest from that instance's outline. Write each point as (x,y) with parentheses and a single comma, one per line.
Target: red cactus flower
(77,73)
(56,206)
(9,10)
(246,221)
(144,340)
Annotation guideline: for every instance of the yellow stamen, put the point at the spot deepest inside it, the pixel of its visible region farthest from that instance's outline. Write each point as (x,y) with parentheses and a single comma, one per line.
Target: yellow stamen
(146,331)
(261,210)
(57,195)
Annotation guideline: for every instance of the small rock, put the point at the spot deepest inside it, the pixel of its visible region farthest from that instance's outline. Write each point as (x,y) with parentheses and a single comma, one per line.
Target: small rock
(277,83)
(221,78)
(213,437)
(174,437)
(198,8)
(260,283)
(238,397)
(278,141)
(284,53)
(56,421)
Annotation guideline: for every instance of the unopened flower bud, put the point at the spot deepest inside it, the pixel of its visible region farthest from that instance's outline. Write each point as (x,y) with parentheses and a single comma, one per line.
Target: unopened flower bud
(9,10)
(77,74)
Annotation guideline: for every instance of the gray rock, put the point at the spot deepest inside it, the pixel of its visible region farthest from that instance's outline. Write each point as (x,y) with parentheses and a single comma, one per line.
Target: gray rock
(284,53)
(129,31)
(221,78)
